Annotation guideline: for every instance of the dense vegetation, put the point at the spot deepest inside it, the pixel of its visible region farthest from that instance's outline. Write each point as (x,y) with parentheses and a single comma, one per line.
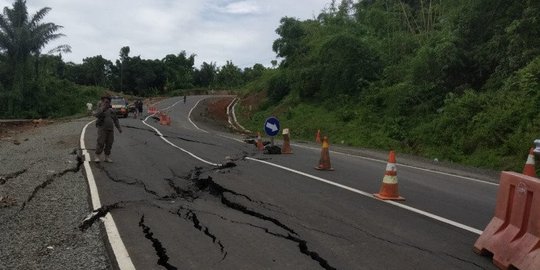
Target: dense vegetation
(452,79)
(35,85)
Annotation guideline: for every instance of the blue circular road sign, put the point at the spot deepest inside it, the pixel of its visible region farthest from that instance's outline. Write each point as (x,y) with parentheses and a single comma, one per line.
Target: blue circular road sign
(271,126)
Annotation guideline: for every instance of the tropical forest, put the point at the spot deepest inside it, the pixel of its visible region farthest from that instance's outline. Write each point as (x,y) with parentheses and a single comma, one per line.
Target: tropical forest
(451,80)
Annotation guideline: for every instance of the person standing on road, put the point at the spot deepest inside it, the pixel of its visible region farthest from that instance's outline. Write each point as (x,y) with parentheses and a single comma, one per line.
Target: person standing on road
(184,98)
(139,108)
(105,123)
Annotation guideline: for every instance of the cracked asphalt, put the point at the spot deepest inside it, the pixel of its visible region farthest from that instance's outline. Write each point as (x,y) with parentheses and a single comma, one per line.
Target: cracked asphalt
(176,212)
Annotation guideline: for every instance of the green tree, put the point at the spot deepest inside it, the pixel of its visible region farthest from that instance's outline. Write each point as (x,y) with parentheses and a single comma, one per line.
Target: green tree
(124,57)
(289,45)
(96,71)
(21,38)
(229,75)
(205,76)
(179,70)
(252,73)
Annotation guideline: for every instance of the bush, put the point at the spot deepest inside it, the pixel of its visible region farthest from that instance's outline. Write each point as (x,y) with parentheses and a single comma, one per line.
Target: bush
(278,87)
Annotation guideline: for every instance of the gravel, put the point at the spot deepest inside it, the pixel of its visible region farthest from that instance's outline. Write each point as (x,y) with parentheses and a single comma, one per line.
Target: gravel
(43,199)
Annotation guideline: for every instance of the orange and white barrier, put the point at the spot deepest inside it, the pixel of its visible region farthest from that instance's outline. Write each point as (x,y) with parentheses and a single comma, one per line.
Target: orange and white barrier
(529,168)
(164,119)
(318,136)
(152,110)
(513,234)
(389,188)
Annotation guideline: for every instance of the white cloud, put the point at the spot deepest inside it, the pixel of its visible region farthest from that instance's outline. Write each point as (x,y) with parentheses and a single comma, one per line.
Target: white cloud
(243,7)
(214,30)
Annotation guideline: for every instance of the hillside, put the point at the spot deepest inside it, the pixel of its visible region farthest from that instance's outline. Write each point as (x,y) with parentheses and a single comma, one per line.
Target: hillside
(452,80)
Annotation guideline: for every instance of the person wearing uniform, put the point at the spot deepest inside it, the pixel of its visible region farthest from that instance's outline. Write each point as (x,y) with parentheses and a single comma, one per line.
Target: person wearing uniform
(105,123)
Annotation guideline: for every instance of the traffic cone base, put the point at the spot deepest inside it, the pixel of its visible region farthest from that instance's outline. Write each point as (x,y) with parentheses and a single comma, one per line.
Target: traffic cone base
(322,168)
(389,189)
(382,197)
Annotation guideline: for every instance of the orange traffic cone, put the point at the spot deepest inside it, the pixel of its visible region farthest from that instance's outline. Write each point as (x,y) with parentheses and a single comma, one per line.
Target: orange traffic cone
(529,168)
(324,162)
(260,145)
(318,136)
(286,149)
(389,188)
(162,118)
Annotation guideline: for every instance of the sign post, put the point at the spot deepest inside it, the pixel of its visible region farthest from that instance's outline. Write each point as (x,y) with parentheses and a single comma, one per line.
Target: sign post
(271,127)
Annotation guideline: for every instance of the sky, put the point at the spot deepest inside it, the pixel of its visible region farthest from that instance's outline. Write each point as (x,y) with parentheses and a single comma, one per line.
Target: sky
(214,30)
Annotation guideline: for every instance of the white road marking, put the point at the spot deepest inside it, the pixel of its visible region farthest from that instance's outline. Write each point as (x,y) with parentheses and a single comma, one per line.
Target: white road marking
(231,115)
(165,109)
(412,209)
(119,249)
(406,166)
(236,120)
(229,112)
(176,146)
(378,160)
(189,116)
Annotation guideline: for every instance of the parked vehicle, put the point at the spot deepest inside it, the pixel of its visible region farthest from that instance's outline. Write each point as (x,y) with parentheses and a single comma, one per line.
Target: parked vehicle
(120,106)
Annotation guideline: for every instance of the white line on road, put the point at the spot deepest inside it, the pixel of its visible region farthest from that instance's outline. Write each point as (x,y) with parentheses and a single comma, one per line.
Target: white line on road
(418,211)
(229,118)
(412,209)
(118,247)
(376,160)
(236,120)
(176,146)
(406,166)
(165,109)
(189,116)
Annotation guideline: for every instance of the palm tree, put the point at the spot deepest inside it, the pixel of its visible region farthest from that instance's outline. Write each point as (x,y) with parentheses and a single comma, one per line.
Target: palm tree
(21,39)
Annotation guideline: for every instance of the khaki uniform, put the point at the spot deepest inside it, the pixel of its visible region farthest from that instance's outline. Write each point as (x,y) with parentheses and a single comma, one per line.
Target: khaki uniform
(106,121)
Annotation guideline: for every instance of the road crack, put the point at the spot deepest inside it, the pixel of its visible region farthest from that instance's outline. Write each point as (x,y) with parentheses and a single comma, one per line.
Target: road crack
(136,182)
(161,252)
(218,191)
(188,195)
(187,140)
(139,128)
(302,244)
(97,214)
(5,178)
(190,215)
(50,179)
(207,184)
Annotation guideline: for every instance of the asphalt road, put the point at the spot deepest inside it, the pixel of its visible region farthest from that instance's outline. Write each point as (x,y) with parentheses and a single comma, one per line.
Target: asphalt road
(194,198)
